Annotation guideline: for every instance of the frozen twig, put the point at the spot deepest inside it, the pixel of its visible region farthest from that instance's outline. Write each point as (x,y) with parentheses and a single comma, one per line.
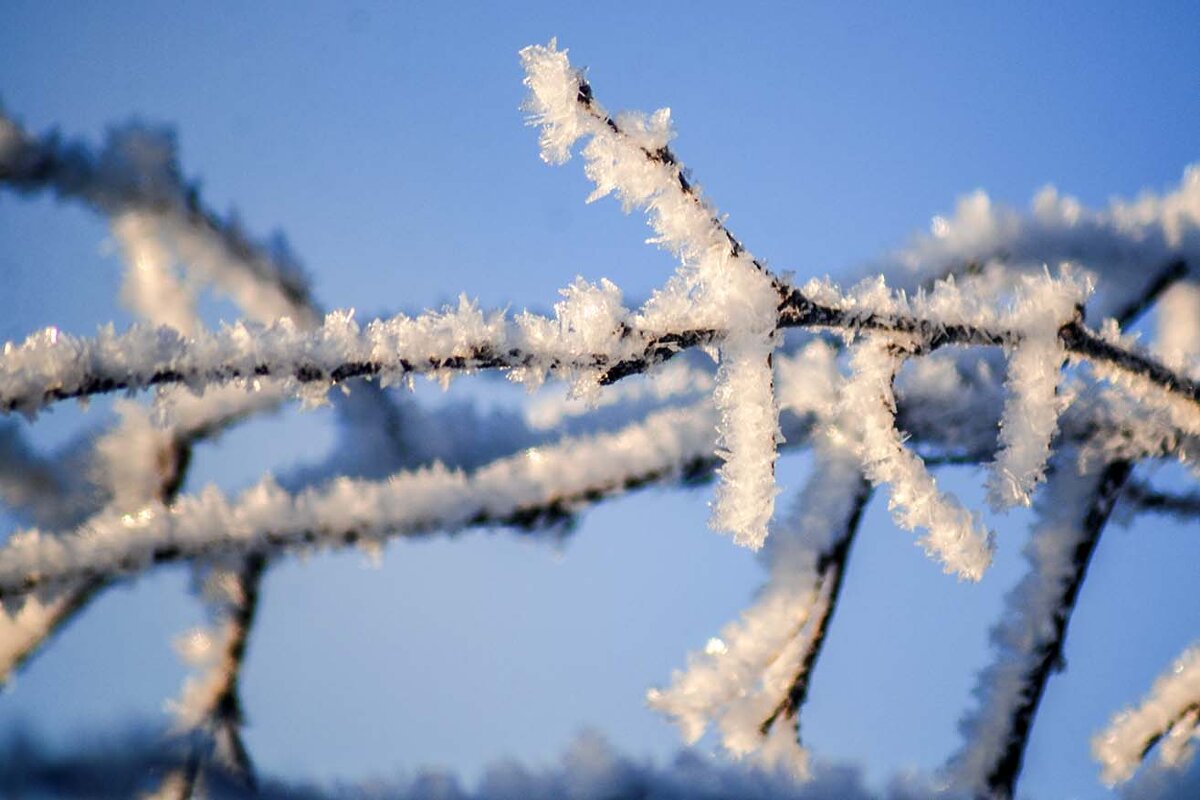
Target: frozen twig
(1167,716)
(751,680)
(1031,638)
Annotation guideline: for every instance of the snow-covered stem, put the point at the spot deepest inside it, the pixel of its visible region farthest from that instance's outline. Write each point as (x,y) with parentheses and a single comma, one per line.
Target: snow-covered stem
(25,631)
(137,175)
(1132,246)
(755,674)
(148,467)
(831,571)
(138,463)
(747,443)
(533,488)
(1170,711)
(718,284)
(211,703)
(564,104)
(1030,639)
(1033,403)
(51,366)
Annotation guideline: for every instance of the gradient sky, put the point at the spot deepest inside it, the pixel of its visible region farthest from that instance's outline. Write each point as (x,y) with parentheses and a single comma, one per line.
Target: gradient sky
(386,141)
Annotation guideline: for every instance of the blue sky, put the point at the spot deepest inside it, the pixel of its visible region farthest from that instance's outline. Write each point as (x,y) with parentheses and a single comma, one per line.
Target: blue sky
(387,143)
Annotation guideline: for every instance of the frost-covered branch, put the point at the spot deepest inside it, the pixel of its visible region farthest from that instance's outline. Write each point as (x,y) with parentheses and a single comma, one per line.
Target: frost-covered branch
(210,709)
(1168,716)
(51,365)
(718,285)
(1135,248)
(752,679)
(136,180)
(1030,640)
(531,488)
(133,464)
(1185,505)
(954,535)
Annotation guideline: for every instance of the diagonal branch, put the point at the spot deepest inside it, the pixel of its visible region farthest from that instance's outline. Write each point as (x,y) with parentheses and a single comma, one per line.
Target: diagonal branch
(1145,498)
(1170,712)
(1075,509)
(831,571)
(536,486)
(137,171)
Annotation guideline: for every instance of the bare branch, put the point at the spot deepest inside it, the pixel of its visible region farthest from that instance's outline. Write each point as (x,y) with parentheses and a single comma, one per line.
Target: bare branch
(1143,497)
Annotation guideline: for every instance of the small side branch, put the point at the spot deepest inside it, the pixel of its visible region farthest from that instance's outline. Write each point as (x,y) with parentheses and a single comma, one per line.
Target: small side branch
(1169,714)
(756,672)
(1144,498)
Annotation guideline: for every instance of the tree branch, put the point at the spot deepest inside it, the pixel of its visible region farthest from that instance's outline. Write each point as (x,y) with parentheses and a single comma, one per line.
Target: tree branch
(1143,497)
(1031,641)
(831,571)
(53,366)
(1170,712)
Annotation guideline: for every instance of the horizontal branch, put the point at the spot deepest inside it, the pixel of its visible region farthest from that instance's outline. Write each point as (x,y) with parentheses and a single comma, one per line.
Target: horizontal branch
(51,366)
(1145,498)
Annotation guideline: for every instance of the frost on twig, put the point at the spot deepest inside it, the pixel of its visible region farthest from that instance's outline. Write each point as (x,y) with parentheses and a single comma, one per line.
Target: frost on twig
(135,179)
(1142,498)
(718,285)
(1030,639)
(954,535)
(210,708)
(534,485)
(976,302)
(751,680)
(1042,306)
(1130,247)
(1168,716)
(131,465)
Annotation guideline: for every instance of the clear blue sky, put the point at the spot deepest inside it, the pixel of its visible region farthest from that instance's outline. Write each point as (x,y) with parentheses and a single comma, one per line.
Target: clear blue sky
(386,142)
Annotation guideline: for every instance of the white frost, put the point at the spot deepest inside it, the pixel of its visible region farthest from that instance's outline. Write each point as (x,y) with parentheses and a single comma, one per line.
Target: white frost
(1170,712)
(430,499)
(954,535)
(718,284)
(1031,411)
